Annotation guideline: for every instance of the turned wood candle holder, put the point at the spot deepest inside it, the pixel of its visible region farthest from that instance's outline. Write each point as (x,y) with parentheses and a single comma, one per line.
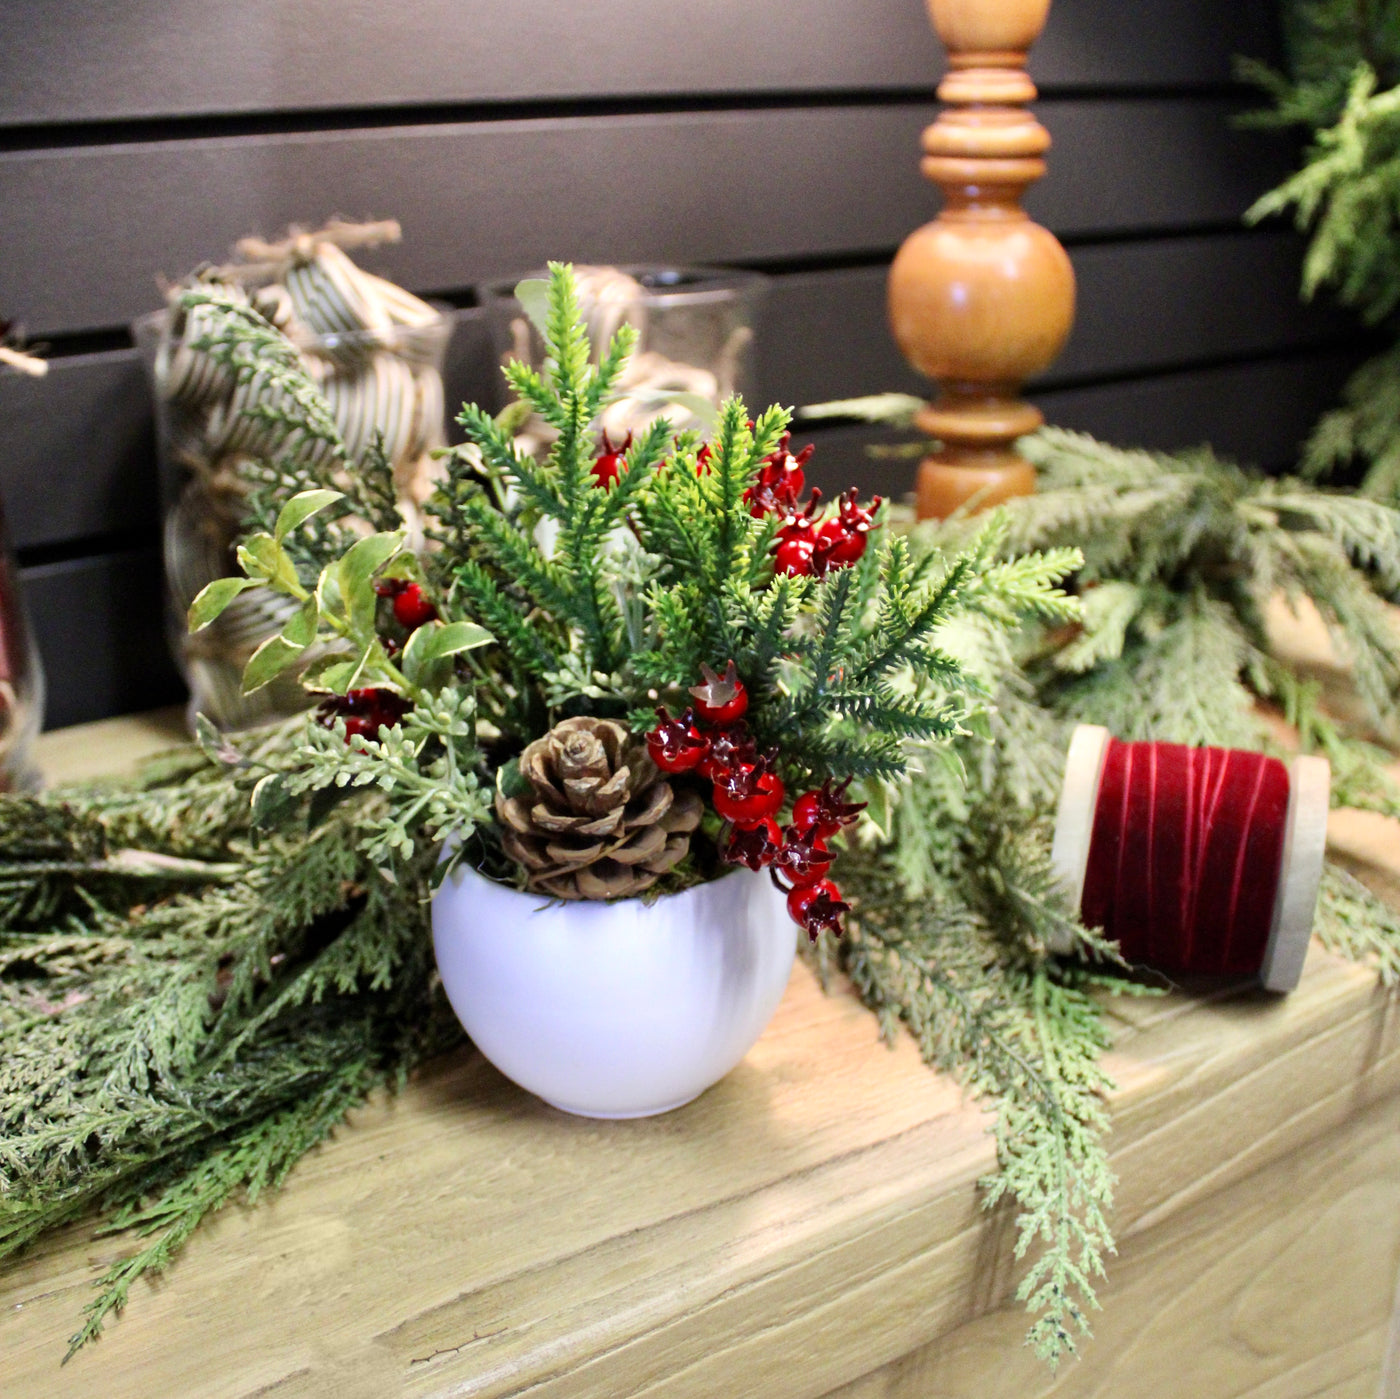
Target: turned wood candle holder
(982,298)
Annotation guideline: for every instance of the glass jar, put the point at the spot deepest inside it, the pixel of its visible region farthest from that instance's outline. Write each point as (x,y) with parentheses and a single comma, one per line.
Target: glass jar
(696,336)
(384,380)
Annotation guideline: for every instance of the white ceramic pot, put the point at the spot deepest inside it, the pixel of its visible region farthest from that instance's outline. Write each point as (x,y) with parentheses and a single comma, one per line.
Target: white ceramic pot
(614,1009)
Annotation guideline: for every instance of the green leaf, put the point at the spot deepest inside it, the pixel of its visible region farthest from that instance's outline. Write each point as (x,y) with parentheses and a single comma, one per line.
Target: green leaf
(457,637)
(213,744)
(271,801)
(433,643)
(355,575)
(264,560)
(301,508)
(300,631)
(533,296)
(214,598)
(268,662)
(340,676)
(328,591)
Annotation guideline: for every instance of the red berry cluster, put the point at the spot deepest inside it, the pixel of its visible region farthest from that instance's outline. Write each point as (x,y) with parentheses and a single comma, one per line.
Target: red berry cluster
(364,711)
(608,465)
(412,606)
(711,739)
(807,546)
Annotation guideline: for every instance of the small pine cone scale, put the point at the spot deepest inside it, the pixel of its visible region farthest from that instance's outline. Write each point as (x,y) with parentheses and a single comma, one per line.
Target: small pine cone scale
(599,821)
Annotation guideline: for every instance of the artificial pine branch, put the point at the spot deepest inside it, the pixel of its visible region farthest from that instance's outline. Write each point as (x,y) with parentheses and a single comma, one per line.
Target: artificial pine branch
(1343,64)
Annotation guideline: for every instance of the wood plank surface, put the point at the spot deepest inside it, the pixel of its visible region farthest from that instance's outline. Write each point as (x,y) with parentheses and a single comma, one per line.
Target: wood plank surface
(68,61)
(809,1224)
(88,229)
(1155,304)
(77,450)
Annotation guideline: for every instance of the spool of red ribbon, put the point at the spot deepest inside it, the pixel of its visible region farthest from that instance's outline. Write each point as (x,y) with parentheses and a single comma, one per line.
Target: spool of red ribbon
(1194,860)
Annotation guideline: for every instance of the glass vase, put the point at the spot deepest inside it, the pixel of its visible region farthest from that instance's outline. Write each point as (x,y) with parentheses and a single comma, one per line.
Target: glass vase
(695,337)
(387,381)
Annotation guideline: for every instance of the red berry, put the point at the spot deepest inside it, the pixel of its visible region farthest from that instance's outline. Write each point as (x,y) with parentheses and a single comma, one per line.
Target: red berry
(780,481)
(804,858)
(412,608)
(676,745)
(390,587)
(728,749)
(608,465)
(748,794)
(817,906)
(364,711)
(756,845)
(841,540)
(721,699)
(825,810)
(839,546)
(793,556)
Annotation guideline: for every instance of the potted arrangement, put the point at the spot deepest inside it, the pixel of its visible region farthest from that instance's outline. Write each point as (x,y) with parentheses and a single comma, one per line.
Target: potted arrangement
(636,694)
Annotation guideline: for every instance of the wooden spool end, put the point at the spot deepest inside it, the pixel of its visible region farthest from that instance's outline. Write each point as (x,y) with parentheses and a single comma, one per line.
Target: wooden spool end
(981,299)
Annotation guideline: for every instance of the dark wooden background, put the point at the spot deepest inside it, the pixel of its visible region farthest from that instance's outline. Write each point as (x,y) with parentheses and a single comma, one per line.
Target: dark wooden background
(137,140)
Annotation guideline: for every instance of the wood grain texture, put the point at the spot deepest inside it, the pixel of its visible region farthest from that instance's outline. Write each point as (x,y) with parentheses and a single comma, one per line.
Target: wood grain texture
(68,61)
(88,229)
(981,298)
(810,1223)
(1142,305)
(1258,412)
(1274,1288)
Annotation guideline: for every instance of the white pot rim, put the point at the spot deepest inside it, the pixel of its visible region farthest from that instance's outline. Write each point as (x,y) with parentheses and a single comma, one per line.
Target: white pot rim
(553,901)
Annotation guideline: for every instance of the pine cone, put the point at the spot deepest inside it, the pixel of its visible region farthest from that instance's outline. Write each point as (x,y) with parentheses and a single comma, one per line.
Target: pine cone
(602,822)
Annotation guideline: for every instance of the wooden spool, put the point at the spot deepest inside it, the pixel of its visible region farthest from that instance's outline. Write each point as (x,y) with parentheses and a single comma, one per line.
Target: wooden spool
(1300,874)
(982,298)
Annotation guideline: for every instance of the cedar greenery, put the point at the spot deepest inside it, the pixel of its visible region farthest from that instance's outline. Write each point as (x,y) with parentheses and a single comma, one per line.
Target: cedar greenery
(1182,554)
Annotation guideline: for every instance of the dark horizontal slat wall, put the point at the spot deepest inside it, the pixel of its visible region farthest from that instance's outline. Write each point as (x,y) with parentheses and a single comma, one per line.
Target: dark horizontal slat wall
(139,140)
(72,61)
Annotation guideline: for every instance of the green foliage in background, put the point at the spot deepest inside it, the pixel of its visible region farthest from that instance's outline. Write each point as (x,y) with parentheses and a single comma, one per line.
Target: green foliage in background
(1342,85)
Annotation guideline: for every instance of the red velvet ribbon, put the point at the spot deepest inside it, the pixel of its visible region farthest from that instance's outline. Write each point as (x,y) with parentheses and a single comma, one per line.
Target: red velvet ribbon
(1185,857)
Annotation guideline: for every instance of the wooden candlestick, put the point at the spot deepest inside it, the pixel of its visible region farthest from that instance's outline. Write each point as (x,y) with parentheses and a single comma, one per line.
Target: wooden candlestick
(981,299)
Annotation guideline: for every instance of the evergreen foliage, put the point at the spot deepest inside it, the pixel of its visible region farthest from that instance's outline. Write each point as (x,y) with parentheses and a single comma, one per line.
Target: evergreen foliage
(1181,555)
(208,968)
(1343,59)
(201,972)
